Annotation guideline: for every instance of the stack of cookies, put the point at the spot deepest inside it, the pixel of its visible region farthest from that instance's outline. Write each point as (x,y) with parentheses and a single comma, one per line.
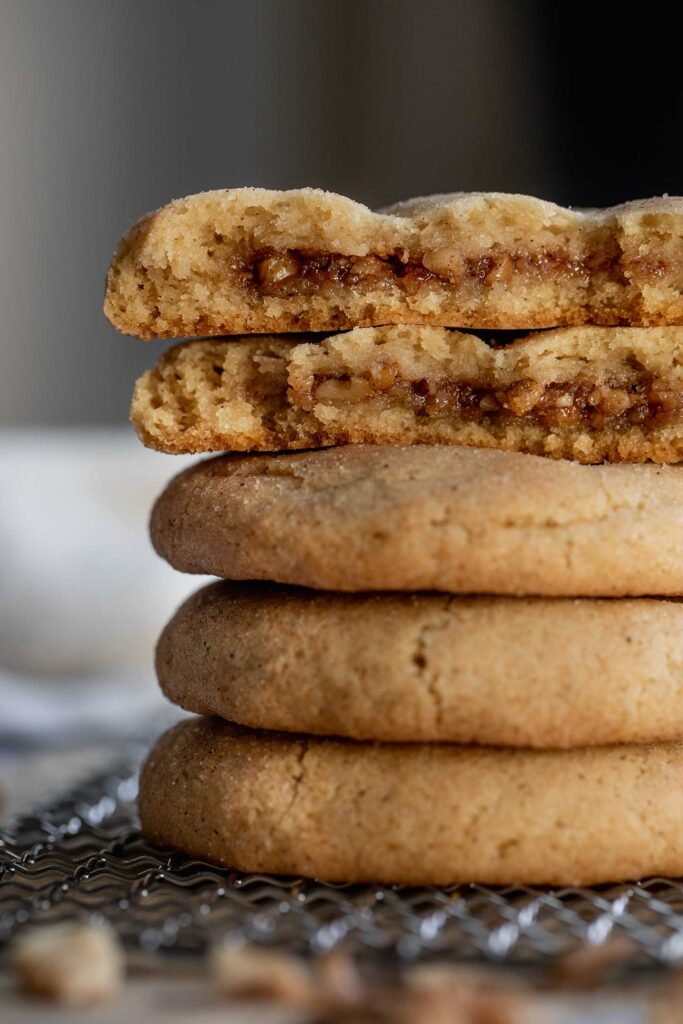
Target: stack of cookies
(414,669)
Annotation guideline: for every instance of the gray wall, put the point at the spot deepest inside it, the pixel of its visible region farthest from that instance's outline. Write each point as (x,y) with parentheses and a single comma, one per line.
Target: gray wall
(111,107)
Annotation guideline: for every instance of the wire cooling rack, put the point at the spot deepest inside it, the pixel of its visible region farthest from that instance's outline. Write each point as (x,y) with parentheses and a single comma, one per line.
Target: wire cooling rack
(85,857)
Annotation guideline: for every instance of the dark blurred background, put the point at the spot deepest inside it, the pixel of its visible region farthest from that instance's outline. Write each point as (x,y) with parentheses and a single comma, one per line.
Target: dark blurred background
(108,109)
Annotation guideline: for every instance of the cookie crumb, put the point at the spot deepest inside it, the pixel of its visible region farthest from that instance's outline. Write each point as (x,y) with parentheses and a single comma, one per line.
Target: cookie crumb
(338,981)
(334,991)
(590,966)
(467,995)
(76,964)
(252,972)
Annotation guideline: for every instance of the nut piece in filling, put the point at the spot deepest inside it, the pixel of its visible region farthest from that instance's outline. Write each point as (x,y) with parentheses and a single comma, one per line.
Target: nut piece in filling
(644,400)
(288,272)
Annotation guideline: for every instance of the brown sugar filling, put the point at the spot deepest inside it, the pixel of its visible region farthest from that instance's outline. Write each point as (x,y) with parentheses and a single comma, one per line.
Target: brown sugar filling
(645,401)
(290,272)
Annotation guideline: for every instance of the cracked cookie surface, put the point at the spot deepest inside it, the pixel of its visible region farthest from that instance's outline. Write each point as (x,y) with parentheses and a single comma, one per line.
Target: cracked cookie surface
(252,260)
(460,520)
(500,671)
(414,814)
(586,393)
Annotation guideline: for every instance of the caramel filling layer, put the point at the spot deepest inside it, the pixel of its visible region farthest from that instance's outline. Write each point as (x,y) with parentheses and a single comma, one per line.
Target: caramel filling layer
(290,272)
(645,401)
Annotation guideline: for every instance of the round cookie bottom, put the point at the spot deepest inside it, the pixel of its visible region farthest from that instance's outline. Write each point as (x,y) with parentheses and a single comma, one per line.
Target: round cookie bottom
(548,673)
(425,814)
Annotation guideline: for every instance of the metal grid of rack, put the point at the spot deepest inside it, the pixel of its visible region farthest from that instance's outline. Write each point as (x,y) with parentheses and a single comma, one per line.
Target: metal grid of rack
(84,856)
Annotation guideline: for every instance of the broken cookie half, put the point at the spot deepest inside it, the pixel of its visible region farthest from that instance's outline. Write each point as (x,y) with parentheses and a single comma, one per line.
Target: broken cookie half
(589,393)
(252,260)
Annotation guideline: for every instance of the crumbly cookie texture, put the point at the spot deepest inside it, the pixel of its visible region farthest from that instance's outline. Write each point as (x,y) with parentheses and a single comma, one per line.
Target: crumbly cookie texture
(498,671)
(584,393)
(76,964)
(252,260)
(461,520)
(415,814)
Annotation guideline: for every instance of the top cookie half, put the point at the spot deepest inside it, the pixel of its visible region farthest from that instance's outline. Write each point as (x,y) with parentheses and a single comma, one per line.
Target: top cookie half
(256,261)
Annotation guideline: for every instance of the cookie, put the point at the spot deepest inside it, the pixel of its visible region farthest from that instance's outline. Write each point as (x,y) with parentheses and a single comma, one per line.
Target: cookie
(462,520)
(508,671)
(416,814)
(251,260)
(585,393)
